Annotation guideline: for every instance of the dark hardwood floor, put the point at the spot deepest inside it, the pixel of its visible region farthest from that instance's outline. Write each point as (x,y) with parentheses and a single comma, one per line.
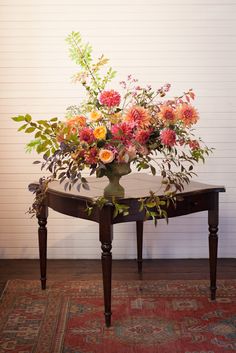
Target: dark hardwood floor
(122,269)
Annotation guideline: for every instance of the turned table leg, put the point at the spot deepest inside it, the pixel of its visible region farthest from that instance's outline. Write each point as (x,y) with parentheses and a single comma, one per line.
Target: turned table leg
(42,238)
(106,236)
(213,220)
(139,235)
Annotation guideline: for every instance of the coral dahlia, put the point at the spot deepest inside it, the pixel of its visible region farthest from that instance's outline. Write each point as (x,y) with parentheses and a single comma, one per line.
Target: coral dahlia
(167,114)
(139,116)
(187,114)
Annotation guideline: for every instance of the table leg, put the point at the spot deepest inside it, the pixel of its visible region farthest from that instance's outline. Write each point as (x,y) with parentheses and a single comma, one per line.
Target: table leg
(106,236)
(42,238)
(139,234)
(213,220)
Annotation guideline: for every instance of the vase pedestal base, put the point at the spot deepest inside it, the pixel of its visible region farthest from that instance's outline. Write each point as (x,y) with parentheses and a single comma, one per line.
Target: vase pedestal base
(114,189)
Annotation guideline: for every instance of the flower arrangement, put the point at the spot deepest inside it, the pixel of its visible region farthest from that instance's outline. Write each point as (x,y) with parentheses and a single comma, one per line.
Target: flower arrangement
(115,127)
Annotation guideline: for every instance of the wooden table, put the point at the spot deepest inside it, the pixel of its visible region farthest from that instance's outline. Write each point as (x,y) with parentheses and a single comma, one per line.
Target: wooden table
(196,197)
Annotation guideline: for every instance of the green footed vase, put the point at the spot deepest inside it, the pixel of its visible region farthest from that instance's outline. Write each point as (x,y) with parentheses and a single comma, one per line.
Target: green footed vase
(114,172)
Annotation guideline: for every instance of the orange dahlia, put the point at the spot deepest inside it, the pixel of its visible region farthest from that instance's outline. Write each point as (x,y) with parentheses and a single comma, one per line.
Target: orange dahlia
(139,116)
(167,114)
(187,114)
(76,121)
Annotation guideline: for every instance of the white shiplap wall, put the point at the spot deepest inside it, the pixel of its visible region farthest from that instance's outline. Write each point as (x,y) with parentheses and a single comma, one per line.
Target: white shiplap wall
(189,43)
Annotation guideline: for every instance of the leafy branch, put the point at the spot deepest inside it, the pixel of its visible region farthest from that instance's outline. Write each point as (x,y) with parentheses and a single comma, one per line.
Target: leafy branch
(100,202)
(81,54)
(45,137)
(40,193)
(155,206)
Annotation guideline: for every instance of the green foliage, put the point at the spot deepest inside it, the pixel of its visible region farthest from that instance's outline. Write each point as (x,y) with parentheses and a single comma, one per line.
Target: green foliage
(80,53)
(100,202)
(19,118)
(107,77)
(119,209)
(72,110)
(32,145)
(45,137)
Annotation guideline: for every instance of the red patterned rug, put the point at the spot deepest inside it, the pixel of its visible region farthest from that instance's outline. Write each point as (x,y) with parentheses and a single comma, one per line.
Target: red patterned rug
(148,317)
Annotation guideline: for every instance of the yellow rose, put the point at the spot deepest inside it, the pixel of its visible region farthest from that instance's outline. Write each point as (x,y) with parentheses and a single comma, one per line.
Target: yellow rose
(106,156)
(95,115)
(100,132)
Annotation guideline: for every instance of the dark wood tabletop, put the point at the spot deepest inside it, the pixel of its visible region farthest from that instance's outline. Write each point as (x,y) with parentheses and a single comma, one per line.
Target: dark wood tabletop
(136,185)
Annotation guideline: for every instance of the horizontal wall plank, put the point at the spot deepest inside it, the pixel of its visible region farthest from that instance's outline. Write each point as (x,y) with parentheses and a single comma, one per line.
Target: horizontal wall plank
(118,13)
(62,26)
(79,232)
(53,89)
(176,60)
(55,220)
(32,253)
(84,4)
(142,72)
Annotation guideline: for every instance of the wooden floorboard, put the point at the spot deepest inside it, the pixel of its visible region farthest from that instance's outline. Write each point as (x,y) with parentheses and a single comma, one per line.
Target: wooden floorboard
(122,269)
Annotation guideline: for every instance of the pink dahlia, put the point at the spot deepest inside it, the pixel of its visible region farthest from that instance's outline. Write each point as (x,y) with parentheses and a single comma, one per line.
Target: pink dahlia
(139,116)
(188,114)
(86,135)
(142,136)
(92,156)
(168,137)
(110,98)
(122,132)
